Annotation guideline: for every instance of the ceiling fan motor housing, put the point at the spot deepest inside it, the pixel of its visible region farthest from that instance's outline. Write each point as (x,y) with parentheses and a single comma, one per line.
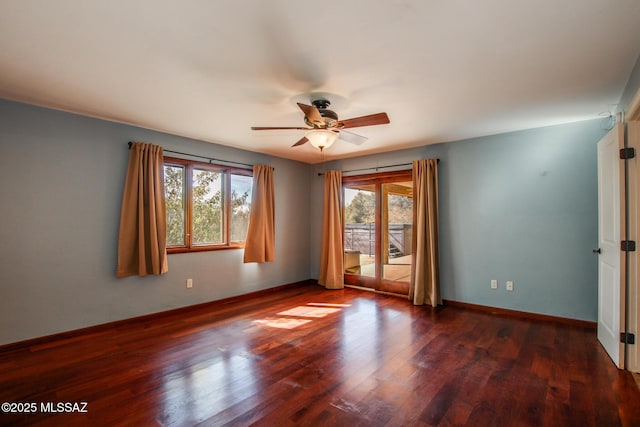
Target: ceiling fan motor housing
(329,115)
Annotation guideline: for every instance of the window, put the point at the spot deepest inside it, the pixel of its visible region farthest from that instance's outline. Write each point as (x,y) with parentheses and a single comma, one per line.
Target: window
(207,205)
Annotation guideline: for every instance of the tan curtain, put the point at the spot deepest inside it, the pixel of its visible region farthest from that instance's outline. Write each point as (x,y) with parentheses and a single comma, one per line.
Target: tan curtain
(143,223)
(260,244)
(425,259)
(332,256)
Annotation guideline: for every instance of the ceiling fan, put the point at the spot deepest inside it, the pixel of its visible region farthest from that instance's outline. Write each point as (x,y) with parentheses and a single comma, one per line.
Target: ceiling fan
(324,127)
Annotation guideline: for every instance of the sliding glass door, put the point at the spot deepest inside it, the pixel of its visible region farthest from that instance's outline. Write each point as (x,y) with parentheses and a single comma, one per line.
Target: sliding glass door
(378,218)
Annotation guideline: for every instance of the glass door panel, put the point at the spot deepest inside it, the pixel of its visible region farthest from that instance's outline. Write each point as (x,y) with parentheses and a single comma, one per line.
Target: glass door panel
(397,228)
(360,230)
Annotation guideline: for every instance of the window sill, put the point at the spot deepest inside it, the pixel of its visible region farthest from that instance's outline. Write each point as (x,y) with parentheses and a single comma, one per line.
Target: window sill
(183,250)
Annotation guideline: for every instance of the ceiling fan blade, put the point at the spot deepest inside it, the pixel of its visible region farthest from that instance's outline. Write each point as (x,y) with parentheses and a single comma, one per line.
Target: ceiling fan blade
(352,138)
(370,120)
(312,113)
(277,128)
(303,140)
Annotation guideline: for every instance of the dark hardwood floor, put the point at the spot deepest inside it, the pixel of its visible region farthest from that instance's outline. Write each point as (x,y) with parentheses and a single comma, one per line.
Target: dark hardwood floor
(312,357)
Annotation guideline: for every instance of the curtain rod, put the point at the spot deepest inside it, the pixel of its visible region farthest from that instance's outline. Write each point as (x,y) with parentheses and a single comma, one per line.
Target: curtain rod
(375,167)
(211,159)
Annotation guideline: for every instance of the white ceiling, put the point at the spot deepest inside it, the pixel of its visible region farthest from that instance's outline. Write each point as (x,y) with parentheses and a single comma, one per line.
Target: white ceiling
(442,70)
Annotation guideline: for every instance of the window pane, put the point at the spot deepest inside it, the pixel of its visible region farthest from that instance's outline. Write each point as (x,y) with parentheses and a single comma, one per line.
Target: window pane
(207,221)
(397,231)
(174,199)
(240,206)
(360,230)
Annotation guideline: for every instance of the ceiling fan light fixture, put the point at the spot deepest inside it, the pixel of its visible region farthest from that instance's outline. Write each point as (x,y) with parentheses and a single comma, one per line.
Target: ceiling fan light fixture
(321,138)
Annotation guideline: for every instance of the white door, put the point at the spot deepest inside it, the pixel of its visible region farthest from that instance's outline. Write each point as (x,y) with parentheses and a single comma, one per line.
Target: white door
(610,273)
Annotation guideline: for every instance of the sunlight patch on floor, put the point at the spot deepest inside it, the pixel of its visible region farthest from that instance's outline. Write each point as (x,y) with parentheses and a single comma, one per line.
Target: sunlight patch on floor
(282,322)
(306,311)
(300,315)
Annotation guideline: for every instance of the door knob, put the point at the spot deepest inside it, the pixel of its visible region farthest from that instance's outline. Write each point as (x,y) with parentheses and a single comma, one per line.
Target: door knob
(597,251)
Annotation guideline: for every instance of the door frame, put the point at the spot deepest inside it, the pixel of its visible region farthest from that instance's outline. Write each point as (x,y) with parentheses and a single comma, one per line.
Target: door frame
(632,352)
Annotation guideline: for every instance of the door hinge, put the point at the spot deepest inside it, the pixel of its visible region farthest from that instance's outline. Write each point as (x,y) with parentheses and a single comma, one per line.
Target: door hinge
(627,153)
(628,245)
(627,338)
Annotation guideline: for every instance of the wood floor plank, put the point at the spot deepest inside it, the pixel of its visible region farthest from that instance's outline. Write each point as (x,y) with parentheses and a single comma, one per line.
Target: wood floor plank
(306,356)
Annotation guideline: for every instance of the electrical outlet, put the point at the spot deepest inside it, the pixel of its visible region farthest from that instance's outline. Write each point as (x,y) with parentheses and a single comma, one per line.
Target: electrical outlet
(189,283)
(494,284)
(509,285)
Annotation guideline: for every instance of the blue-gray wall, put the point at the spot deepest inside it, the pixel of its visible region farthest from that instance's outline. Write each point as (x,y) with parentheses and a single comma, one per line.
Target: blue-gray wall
(61,181)
(519,206)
